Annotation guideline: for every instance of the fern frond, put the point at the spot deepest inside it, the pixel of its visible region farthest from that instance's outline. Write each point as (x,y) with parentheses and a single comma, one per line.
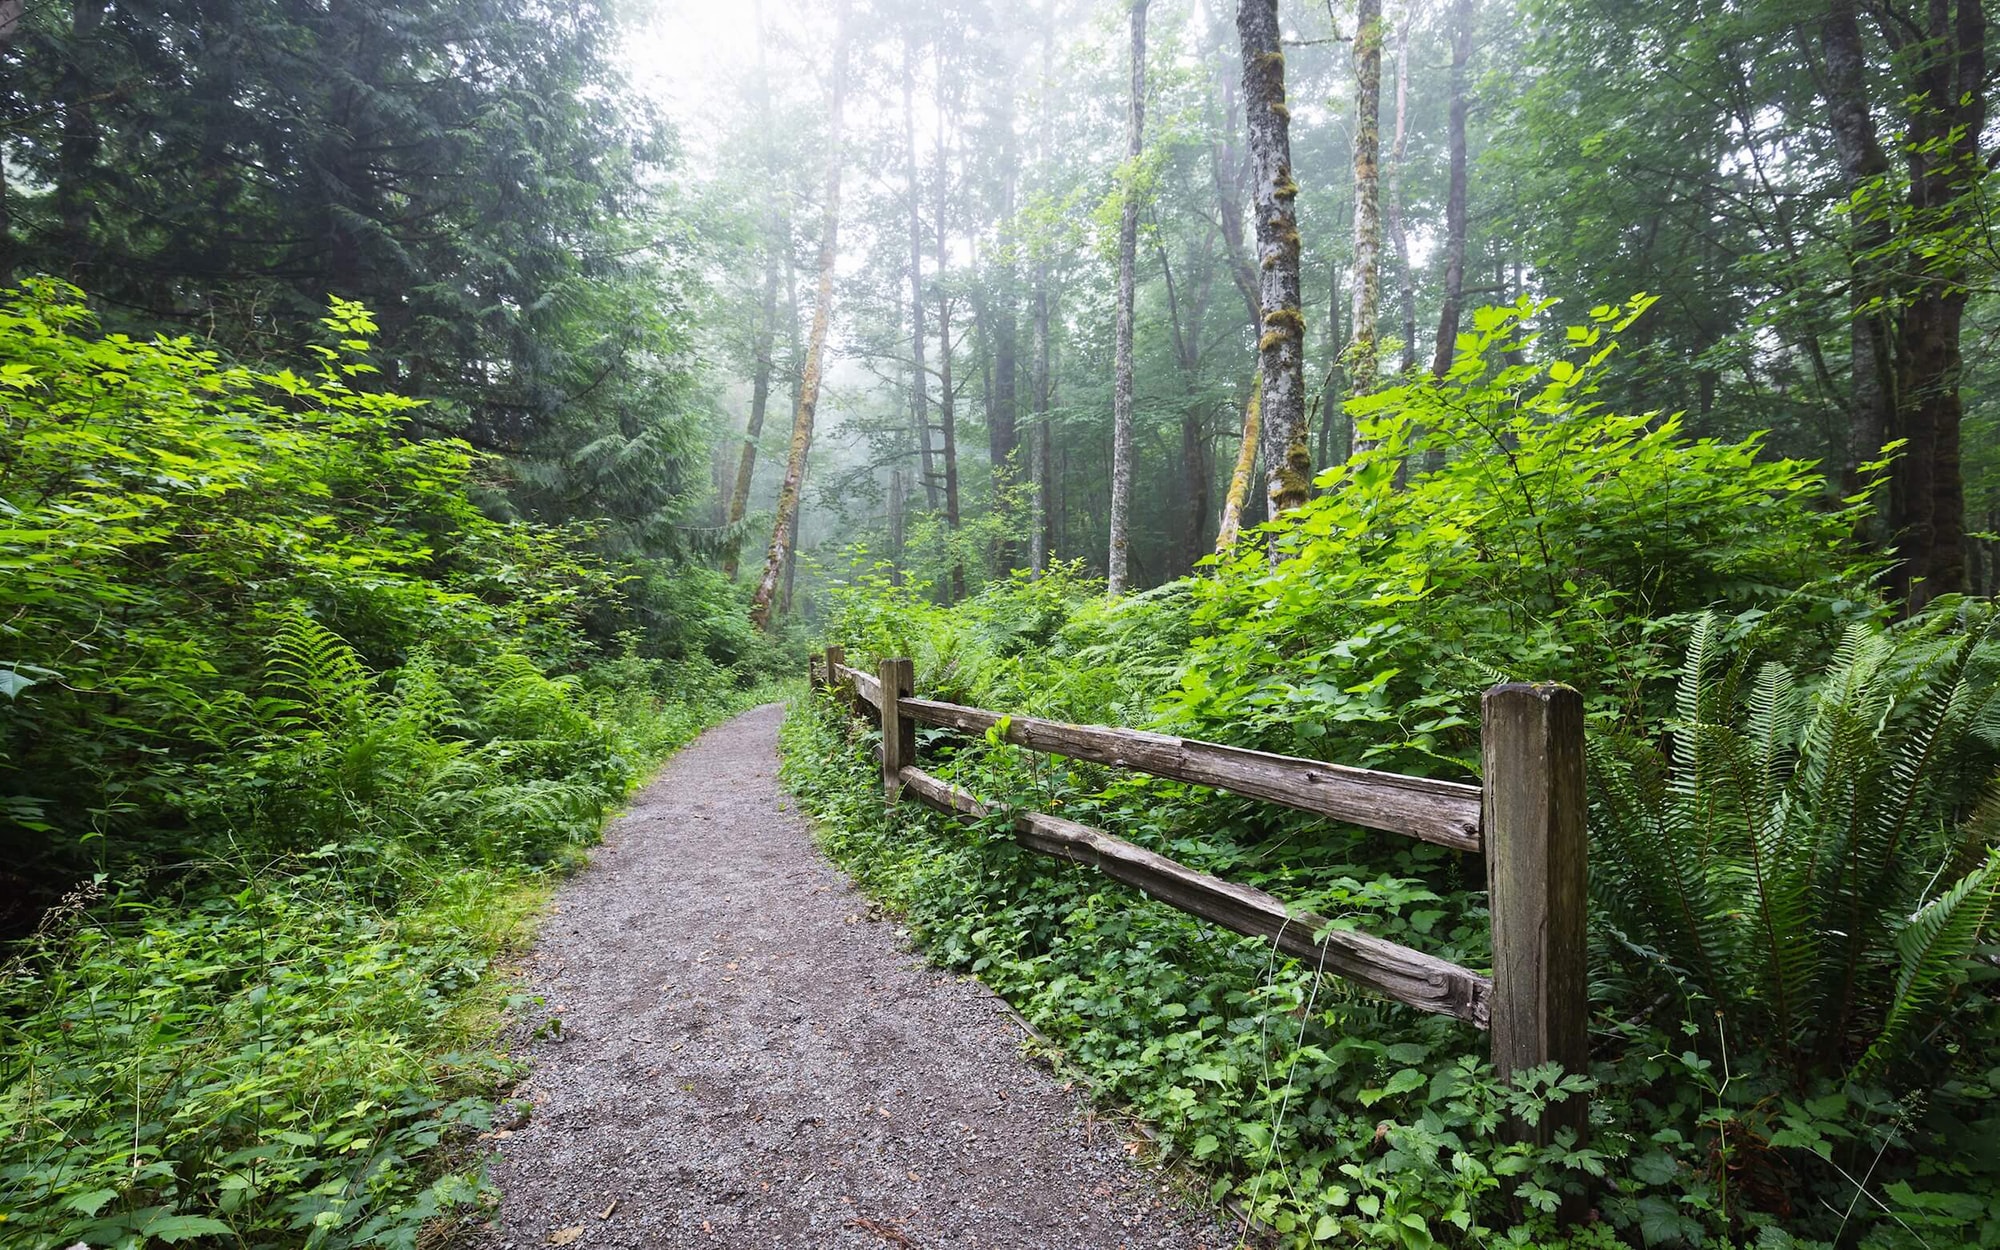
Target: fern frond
(312,677)
(1934,946)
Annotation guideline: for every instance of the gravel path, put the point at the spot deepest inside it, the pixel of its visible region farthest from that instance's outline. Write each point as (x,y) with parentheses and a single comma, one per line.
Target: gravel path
(748,1058)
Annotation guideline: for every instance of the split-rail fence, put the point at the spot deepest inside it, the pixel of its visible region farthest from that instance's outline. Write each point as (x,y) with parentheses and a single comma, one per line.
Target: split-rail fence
(1526,818)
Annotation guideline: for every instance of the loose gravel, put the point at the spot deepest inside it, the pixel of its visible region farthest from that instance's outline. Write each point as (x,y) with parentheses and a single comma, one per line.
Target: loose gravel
(748,1055)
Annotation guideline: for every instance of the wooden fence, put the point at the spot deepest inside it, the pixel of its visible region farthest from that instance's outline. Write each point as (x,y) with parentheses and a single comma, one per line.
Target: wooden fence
(1527,819)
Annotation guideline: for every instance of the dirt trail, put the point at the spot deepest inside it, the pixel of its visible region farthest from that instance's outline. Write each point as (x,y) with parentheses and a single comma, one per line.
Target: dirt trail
(746,1059)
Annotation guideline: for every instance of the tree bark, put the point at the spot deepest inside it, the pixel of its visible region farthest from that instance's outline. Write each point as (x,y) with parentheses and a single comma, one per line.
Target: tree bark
(1041,538)
(1228,171)
(1002,435)
(1907,292)
(809,381)
(1406,290)
(1450,309)
(896,527)
(1187,312)
(1363,354)
(1947,117)
(1239,479)
(1121,382)
(920,376)
(1335,387)
(947,398)
(792,555)
(1281,344)
(760,398)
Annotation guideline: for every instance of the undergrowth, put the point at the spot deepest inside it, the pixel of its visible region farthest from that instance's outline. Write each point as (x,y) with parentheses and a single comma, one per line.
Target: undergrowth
(299,1048)
(299,737)
(1793,828)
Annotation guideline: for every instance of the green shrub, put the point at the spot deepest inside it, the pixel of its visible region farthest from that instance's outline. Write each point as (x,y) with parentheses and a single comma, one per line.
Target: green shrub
(163,512)
(1555,541)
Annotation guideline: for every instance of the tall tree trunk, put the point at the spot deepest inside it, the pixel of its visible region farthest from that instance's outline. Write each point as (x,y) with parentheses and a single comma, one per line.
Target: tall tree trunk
(919,377)
(792,554)
(1334,388)
(1863,165)
(1059,522)
(76,158)
(1281,345)
(947,397)
(1363,355)
(1002,435)
(1947,118)
(1121,380)
(1187,312)
(1906,369)
(1227,169)
(1454,204)
(760,398)
(1399,151)
(896,526)
(809,380)
(1239,478)
(1041,537)
(1196,484)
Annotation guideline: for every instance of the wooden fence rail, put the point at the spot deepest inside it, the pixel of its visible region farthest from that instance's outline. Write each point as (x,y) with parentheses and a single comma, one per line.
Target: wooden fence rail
(1527,818)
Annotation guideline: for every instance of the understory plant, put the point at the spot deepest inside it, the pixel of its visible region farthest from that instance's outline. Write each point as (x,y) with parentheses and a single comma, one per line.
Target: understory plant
(1804,871)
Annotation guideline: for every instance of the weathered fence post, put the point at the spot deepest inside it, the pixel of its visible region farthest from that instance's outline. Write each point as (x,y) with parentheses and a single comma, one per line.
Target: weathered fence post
(899,732)
(812,673)
(1532,741)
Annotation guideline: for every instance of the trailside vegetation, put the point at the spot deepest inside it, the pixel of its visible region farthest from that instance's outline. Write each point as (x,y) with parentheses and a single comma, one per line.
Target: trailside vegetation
(1795,862)
(308,731)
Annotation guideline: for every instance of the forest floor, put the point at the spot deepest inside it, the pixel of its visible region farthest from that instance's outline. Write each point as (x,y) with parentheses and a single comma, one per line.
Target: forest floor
(749,1055)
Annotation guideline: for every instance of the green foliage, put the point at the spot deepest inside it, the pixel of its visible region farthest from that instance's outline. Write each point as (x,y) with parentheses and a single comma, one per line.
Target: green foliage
(300,1051)
(165,511)
(272,1062)
(1792,857)
(1556,541)
(477,173)
(1806,859)
(302,706)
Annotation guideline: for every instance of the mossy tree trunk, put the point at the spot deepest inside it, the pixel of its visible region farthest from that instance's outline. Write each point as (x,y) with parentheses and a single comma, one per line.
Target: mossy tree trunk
(1121,382)
(1281,341)
(809,381)
(1239,479)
